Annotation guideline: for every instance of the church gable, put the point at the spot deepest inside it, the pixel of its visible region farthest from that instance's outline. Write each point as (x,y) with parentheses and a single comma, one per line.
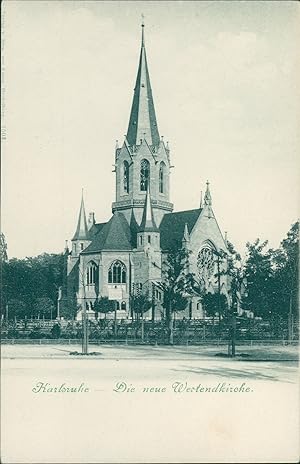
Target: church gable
(206,229)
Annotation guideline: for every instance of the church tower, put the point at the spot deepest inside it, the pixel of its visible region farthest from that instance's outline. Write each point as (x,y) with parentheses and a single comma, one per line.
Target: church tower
(144,158)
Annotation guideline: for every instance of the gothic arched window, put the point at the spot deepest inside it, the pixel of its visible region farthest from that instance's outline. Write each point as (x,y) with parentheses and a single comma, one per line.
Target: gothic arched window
(145,174)
(205,264)
(161,177)
(91,273)
(126,176)
(117,273)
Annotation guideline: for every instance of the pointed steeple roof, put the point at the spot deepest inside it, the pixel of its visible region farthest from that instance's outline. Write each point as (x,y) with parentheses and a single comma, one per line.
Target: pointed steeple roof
(142,121)
(207,196)
(82,229)
(186,235)
(148,222)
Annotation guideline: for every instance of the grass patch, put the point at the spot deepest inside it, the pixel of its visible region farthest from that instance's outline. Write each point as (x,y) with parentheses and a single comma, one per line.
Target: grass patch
(77,353)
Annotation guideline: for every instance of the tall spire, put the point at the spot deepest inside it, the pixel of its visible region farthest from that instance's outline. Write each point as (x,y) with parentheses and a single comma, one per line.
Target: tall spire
(82,230)
(207,196)
(142,121)
(148,222)
(143,26)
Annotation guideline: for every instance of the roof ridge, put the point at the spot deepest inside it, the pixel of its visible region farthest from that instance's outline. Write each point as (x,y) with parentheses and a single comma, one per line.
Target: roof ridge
(183,211)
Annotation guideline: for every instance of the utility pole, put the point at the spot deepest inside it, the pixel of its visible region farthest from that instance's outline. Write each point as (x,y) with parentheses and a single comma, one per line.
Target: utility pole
(85,330)
(232,324)
(153,304)
(142,334)
(84,320)
(233,334)
(170,328)
(219,287)
(115,319)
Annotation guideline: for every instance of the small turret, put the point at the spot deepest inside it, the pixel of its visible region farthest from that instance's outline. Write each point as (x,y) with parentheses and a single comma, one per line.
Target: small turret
(81,237)
(201,200)
(148,222)
(148,233)
(186,235)
(66,250)
(207,196)
(91,220)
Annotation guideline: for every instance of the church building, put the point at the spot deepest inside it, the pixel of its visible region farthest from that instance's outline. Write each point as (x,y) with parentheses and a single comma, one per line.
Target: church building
(124,255)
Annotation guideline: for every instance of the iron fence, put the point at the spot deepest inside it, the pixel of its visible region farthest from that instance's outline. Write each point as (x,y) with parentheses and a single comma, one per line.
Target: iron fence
(70,341)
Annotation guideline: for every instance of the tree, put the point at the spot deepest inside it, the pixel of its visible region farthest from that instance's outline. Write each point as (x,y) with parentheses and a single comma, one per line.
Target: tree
(235,272)
(140,303)
(104,305)
(177,285)
(286,272)
(272,277)
(16,309)
(214,304)
(31,278)
(258,274)
(44,307)
(3,248)
(284,295)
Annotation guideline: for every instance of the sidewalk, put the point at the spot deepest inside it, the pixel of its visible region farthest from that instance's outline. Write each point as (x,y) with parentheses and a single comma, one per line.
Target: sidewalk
(106,352)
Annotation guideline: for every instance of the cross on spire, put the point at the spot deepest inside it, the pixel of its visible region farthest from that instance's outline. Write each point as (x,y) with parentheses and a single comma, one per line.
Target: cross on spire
(143,25)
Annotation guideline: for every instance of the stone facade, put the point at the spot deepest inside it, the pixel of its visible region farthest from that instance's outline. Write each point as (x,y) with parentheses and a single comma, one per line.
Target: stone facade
(125,254)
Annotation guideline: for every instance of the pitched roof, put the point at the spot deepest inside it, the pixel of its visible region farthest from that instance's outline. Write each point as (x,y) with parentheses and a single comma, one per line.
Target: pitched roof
(142,121)
(134,228)
(95,229)
(172,227)
(113,235)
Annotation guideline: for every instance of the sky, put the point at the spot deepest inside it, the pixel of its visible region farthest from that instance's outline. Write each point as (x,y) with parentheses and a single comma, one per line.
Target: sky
(224,78)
